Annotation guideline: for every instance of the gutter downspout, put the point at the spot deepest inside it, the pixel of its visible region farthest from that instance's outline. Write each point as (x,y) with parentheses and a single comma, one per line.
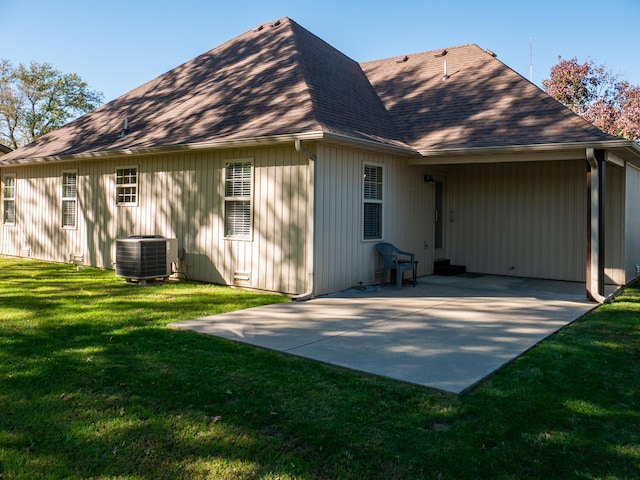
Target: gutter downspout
(311,191)
(596,221)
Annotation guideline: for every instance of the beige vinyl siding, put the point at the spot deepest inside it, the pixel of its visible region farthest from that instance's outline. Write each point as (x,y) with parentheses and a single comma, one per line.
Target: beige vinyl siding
(519,219)
(340,255)
(97,212)
(9,232)
(615,225)
(179,196)
(632,223)
(343,258)
(38,230)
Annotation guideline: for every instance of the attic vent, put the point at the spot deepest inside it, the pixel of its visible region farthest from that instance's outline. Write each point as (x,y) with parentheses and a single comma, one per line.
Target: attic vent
(403,59)
(490,52)
(259,28)
(441,54)
(277,24)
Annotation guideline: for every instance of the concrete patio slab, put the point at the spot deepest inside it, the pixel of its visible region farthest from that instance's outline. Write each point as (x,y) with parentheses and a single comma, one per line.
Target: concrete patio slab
(446,333)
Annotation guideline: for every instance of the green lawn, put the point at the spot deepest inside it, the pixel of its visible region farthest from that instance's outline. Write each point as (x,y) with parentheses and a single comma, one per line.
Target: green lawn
(93,385)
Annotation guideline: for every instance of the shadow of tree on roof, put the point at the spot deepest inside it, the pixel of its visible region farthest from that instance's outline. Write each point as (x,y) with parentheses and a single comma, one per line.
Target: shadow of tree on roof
(484,104)
(280,80)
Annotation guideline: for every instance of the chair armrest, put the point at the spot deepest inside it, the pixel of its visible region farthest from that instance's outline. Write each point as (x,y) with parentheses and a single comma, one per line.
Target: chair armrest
(408,254)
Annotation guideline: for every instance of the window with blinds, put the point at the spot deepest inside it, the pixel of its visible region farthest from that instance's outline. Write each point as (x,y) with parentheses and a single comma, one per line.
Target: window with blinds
(9,200)
(69,199)
(127,186)
(372,202)
(237,199)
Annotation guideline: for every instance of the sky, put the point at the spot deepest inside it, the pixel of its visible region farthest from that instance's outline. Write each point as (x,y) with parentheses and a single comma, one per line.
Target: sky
(116,45)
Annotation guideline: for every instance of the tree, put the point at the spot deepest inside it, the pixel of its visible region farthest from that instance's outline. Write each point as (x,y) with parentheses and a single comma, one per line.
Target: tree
(597,95)
(37,99)
(9,106)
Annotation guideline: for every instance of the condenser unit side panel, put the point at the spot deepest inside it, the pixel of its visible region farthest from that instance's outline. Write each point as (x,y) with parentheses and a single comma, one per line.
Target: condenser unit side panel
(128,259)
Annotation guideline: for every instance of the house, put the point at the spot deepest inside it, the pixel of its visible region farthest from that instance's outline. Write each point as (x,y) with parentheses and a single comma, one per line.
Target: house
(278,163)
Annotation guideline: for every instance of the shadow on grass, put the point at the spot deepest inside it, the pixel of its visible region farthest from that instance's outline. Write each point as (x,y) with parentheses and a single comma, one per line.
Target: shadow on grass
(153,402)
(569,406)
(99,388)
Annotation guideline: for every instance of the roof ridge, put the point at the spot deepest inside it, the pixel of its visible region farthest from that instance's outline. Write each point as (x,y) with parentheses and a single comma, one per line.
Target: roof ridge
(345,72)
(424,52)
(280,79)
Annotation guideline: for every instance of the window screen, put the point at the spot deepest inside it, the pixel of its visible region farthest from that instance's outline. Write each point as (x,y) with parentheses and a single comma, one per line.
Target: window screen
(9,200)
(372,202)
(69,199)
(237,204)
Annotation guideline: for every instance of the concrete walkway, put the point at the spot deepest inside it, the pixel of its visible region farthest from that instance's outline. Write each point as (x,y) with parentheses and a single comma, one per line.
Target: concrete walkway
(447,333)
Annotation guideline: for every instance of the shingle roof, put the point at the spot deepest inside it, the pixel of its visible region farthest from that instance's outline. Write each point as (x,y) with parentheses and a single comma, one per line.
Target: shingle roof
(280,79)
(275,79)
(480,102)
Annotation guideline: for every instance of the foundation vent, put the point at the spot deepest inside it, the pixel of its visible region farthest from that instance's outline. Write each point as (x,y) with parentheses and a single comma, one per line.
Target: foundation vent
(241,278)
(76,258)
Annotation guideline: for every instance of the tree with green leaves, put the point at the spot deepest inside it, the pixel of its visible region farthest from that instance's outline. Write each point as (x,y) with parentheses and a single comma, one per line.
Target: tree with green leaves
(37,99)
(598,95)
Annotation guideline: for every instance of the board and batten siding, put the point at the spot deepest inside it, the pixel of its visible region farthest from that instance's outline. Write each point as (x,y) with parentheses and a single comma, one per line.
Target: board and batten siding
(520,219)
(632,223)
(615,226)
(38,231)
(343,258)
(179,196)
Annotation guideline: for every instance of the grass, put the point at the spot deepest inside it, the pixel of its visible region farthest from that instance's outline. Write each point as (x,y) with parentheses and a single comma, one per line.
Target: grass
(93,385)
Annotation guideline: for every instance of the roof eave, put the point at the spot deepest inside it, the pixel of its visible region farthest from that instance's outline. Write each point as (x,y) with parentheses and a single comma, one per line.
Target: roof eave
(317,135)
(166,149)
(380,146)
(624,149)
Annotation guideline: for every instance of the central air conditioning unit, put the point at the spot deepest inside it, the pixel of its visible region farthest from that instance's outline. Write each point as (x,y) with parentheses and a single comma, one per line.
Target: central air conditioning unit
(145,257)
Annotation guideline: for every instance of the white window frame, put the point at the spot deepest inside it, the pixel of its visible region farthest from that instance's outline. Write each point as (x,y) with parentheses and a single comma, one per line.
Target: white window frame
(9,199)
(69,197)
(127,189)
(238,192)
(372,195)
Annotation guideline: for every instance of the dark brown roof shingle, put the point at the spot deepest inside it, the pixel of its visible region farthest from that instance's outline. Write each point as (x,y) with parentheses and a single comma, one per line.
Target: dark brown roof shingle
(276,79)
(280,79)
(479,103)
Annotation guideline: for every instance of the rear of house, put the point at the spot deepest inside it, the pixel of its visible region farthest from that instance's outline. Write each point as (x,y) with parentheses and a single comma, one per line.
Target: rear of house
(239,215)
(248,217)
(278,163)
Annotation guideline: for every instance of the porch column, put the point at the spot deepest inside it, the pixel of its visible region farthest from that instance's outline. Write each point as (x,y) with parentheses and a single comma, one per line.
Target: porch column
(596,195)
